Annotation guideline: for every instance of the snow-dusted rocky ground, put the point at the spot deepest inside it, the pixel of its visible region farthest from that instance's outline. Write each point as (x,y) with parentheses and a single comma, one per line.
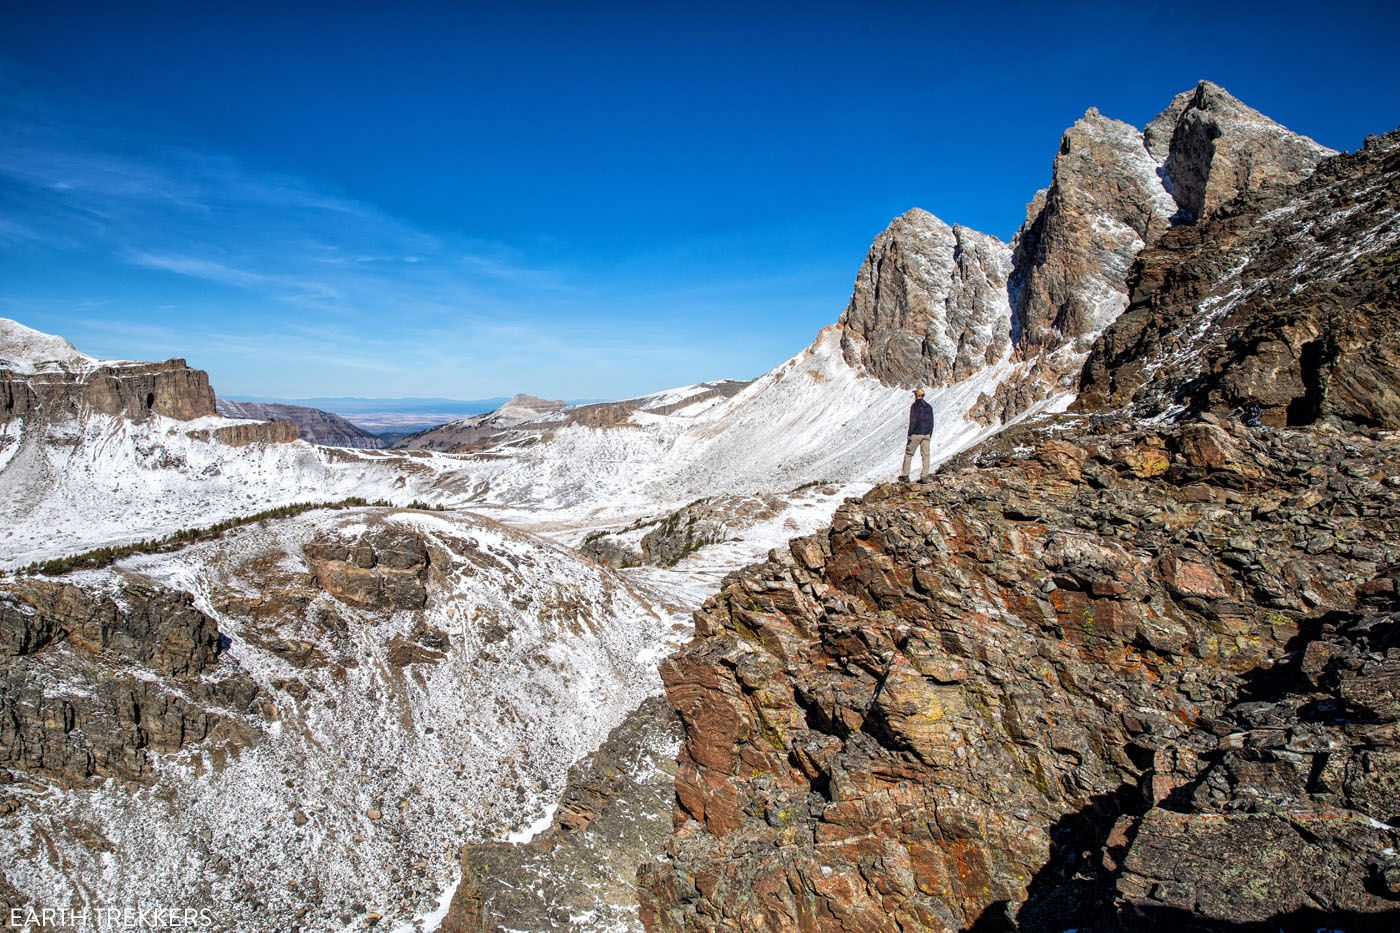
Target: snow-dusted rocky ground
(367,772)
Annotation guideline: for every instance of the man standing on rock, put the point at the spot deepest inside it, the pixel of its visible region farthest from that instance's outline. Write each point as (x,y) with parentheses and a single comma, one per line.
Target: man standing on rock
(920,428)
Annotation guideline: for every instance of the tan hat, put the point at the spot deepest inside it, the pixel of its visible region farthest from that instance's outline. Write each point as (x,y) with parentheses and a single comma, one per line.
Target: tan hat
(919,393)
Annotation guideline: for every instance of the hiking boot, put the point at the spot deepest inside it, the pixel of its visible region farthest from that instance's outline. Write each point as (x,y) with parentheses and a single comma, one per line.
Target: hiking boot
(925,479)
(904,479)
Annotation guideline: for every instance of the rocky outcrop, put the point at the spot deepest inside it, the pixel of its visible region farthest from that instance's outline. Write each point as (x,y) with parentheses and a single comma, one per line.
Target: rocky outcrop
(312,424)
(383,568)
(1289,298)
(1105,672)
(615,810)
(1105,203)
(93,686)
(1291,799)
(1116,190)
(422,679)
(885,724)
(1212,147)
(930,303)
(245,433)
(666,541)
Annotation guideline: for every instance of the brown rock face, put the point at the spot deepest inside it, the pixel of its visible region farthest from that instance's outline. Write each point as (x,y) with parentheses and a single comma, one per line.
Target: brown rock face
(1103,673)
(1289,298)
(1105,203)
(886,725)
(1212,148)
(1287,803)
(384,568)
(253,432)
(132,390)
(75,705)
(933,304)
(1116,190)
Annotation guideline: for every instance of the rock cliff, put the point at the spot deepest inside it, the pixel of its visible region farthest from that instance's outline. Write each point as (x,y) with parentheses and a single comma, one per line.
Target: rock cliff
(95,685)
(1105,671)
(42,376)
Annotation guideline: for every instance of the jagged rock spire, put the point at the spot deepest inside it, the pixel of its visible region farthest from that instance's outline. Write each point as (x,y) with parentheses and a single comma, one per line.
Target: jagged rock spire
(930,302)
(1213,147)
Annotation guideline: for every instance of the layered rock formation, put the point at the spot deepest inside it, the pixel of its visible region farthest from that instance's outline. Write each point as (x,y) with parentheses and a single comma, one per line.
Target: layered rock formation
(1102,672)
(312,424)
(42,376)
(95,685)
(244,433)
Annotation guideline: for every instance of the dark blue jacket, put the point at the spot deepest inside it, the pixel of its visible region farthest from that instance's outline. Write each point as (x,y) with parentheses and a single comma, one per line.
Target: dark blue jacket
(920,418)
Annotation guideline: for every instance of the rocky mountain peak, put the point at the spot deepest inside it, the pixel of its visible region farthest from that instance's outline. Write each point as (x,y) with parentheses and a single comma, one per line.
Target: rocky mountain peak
(1104,204)
(1213,147)
(932,303)
(929,304)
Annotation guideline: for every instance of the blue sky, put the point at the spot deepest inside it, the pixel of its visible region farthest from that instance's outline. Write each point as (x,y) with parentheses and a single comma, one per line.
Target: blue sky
(575,200)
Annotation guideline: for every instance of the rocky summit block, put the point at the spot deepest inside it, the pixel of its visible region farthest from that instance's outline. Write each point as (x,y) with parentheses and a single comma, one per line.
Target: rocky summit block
(934,303)
(926,716)
(383,568)
(930,303)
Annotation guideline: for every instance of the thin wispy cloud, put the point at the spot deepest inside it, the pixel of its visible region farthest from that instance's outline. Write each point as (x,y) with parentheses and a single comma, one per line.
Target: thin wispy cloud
(273,282)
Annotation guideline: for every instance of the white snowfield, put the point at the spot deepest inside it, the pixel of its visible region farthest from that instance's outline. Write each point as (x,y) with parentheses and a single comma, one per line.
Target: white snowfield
(27,351)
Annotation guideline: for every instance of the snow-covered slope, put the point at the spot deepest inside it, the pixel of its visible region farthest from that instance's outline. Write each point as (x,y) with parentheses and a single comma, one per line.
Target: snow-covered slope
(382,733)
(813,419)
(27,351)
(78,484)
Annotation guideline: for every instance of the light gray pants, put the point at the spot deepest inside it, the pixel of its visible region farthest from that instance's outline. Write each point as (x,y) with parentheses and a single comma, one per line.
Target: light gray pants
(916,442)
